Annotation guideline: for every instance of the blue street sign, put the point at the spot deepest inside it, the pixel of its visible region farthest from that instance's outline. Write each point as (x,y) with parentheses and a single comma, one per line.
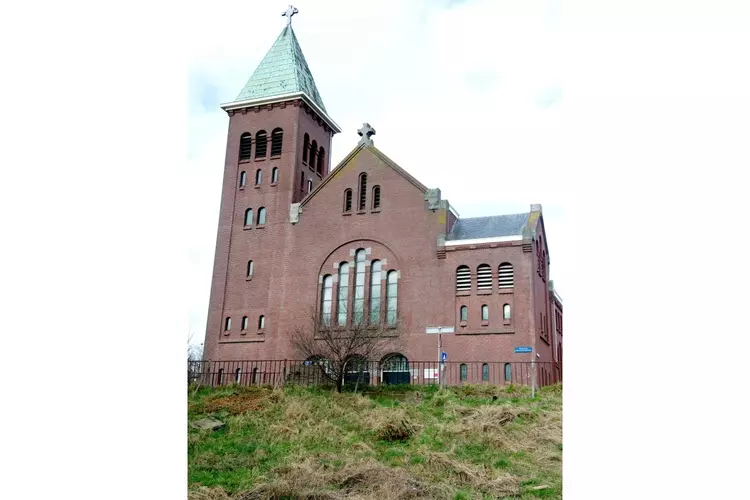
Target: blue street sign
(444,357)
(522,349)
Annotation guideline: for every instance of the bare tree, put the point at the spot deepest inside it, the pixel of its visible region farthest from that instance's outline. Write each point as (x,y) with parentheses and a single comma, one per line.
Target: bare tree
(341,349)
(195,355)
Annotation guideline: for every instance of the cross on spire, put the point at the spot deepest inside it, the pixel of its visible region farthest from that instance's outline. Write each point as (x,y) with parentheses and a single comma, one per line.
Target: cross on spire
(289,13)
(366,132)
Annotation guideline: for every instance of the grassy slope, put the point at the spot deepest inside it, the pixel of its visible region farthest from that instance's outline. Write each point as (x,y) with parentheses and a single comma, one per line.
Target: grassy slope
(314,443)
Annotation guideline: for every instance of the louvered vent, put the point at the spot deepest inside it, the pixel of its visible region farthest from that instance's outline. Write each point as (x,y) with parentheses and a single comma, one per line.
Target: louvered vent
(245,146)
(463,279)
(505,275)
(484,277)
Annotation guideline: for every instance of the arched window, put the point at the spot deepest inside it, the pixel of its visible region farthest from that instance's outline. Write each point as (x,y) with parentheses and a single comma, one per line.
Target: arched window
(302,181)
(375,292)
(376,197)
(508,372)
(258,177)
(359,286)
(313,152)
(261,144)
(544,264)
(463,279)
(326,299)
(321,160)
(392,298)
(485,313)
(227,324)
(305,148)
(274,175)
(505,275)
(396,369)
(348,200)
(484,277)
(249,268)
(276,139)
(246,142)
(244,322)
(309,186)
(261,216)
(261,322)
(243,178)
(362,191)
(237,375)
(463,371)
(506,311)
(343,304)
(485,372)
(249,217)
(464,313)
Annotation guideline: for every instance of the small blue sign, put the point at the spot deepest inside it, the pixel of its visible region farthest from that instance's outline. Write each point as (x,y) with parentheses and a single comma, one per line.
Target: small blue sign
(444,357)
(522,349)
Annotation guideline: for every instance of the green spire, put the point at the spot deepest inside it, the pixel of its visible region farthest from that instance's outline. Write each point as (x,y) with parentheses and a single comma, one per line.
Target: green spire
(282,71)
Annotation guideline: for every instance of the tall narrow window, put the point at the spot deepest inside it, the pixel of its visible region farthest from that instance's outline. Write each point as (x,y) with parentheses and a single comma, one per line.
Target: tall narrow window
(326,299)
(508,372)
(243,178)
(463,371)
(274,175)
(261,144)
(321,160)
(220,376)
(302,181)
(246,142)
(464,313)
(276,139)
(506,311)
(227,324)
(343,292)
(238,375)
(505,275)
(485,313)
(348,200)
(244,323)
(359,286)
(305,148)
(362,191)
(249,217)
(258,177)
(376,197)
(249,268)
(485,372)
(375,292)
(255,375)
(463,279)
(484,277)
(544,265)
(392,297)
(261,215)
(261,322)
(313,153)
(309,186)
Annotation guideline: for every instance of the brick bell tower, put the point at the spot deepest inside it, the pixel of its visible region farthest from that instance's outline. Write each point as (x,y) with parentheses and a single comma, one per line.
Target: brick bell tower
(278,150)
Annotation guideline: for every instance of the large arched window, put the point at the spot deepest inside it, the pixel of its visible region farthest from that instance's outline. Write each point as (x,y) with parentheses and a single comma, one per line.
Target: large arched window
(343,300)
(276,138)
(463,279)
(362,191)
(396,369)
(305,148)
(464,315)
(376,197)
(348,200)
(313,153)
(375,292)
(359,286)
(246,142)
(258,177)
(249,217)
(484,277)
(274,175)
(261,216)
(505,275)
(321,160)
(261,144)
(326,300)
(392,298)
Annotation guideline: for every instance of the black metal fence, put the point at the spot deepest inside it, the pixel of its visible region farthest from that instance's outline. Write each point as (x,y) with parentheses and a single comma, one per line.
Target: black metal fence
(281,372)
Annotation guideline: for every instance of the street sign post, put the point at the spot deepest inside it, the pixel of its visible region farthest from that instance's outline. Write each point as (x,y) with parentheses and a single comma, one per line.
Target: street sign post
(526,350)
(440,330)
(444,357)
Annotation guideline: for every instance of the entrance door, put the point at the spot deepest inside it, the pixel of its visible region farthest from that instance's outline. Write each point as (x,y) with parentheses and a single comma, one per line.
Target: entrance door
(396,370)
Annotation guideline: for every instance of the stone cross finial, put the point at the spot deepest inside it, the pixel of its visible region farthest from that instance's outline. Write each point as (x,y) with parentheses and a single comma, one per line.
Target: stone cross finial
(366,132)
(289,13)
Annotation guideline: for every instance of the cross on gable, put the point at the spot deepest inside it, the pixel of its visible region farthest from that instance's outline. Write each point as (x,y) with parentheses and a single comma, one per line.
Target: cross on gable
(366,132)
(289,12)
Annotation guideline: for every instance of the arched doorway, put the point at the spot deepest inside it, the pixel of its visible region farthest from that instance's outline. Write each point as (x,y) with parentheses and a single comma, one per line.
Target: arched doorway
(357,370)
(395,369)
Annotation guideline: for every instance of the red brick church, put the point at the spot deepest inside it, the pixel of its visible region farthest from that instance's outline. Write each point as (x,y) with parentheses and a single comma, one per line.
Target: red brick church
(296,234)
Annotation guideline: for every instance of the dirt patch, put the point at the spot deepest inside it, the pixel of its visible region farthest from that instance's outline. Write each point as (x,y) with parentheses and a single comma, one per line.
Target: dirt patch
(235,405)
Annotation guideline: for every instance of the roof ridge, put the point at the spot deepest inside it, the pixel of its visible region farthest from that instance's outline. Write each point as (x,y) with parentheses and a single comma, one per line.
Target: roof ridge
(498,215)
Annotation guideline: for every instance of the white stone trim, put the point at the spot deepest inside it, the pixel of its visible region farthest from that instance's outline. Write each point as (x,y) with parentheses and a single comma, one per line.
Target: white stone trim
(352,252)
(368,251)
(479,241)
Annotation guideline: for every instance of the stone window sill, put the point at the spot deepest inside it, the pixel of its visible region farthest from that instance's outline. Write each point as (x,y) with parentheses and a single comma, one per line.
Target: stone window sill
(361,212)
(262,158)
(462,323)
(226,332)
(274,184)
(260,226)
(505,290)
(463,293)
(243,332)
(242,188)
(249,278)
(485,323)
(346,213)
(245,161)
(274,157)
(257,186)
(246,228)
(375,211)
(506,322)
(484,292)
(262,331)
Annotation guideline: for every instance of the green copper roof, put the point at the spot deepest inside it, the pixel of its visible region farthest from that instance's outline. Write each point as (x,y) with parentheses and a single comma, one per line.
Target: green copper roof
(282,71)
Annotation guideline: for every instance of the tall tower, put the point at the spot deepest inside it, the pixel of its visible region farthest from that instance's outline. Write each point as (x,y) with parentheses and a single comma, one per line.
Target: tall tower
(278,149)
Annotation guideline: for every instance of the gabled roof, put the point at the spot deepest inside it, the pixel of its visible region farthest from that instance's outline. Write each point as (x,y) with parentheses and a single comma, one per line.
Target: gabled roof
(488,227)
(282,71)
